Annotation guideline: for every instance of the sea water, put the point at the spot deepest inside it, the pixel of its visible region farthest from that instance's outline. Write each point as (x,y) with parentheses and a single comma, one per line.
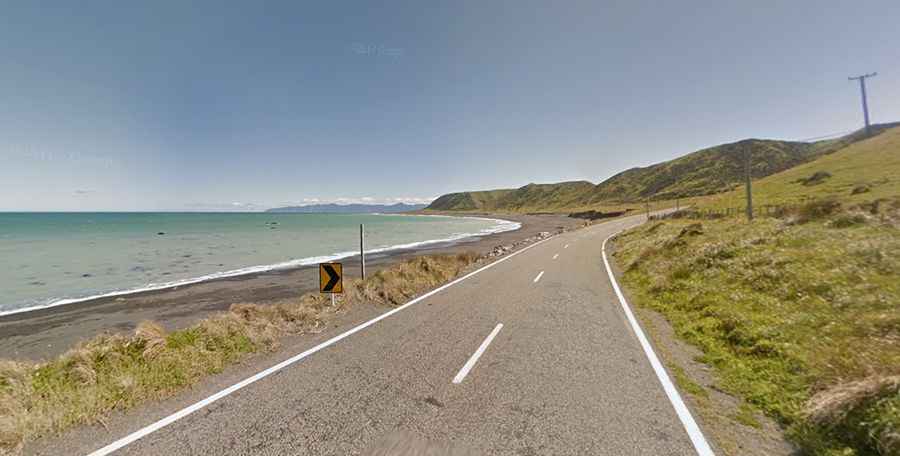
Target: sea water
(50,259)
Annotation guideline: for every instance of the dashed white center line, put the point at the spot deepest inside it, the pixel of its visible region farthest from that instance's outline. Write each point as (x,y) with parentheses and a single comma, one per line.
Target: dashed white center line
(556,256)
(538,277)
(474,359)
(567,246)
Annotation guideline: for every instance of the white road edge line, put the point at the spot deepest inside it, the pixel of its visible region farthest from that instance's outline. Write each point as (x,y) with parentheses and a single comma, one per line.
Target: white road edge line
(474,359)
(538,276)
(700,444)
(143,432)
(556,256)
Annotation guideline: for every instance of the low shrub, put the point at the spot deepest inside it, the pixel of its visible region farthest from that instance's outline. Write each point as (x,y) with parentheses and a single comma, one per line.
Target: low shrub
(847,220)
(860,189)
(816,178)
(817,210)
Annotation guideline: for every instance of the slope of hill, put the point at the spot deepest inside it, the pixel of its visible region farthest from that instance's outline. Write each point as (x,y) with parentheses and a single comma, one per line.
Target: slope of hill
(704,172)
(864,171)
(531,197)
(469,201)
(719,168)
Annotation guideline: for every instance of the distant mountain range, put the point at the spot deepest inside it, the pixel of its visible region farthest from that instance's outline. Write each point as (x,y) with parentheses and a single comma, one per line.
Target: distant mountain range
(350,208)
(712,170)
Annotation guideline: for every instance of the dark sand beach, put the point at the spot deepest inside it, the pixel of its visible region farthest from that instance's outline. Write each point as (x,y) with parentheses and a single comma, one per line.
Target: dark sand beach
(44,333)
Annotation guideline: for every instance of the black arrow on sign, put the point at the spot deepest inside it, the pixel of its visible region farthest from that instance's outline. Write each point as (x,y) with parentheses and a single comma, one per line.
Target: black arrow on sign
(333,277)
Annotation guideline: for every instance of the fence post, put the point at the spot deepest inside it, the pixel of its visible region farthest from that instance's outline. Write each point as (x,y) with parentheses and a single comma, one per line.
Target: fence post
(362,251)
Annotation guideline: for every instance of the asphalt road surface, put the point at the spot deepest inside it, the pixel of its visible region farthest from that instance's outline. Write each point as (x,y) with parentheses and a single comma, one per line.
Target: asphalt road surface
(532,356)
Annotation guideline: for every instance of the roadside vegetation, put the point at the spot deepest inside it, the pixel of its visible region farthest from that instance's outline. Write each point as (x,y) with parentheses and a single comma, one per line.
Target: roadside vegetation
(116,372)
(798,314)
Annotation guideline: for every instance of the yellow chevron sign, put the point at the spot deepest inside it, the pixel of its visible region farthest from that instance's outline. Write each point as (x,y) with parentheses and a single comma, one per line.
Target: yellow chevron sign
(331,278)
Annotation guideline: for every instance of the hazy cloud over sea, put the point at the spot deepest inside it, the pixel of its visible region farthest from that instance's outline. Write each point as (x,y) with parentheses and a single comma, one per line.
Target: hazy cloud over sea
(246,206)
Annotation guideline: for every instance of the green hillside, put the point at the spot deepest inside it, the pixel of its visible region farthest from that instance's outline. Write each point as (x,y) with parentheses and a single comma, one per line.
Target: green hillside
(532,197)
(548,196)
(705,172)
(469,201)
(864,171)
(796,311)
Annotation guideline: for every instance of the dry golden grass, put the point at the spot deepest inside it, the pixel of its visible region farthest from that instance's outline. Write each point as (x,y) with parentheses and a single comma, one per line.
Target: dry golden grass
(115,372)
(833,404)
(864,410)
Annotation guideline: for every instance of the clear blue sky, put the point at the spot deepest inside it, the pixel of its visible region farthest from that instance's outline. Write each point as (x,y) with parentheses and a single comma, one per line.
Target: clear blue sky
(163,106)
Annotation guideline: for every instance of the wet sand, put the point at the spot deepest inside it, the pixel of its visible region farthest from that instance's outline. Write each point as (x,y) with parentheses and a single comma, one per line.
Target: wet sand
(44,333)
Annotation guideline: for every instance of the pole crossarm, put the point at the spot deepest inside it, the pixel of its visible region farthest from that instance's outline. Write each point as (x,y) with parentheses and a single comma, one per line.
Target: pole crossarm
(863,76)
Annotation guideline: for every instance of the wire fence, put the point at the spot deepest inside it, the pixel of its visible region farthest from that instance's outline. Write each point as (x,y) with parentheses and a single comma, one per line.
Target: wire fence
(764,210)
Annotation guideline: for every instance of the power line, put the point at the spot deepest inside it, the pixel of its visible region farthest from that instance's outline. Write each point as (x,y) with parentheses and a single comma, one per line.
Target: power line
(831,135)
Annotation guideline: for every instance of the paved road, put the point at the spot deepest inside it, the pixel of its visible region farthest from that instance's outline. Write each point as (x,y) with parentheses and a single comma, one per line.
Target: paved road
(564,375)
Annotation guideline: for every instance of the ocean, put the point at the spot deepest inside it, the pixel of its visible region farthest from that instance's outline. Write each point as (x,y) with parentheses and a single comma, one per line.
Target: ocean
(51,259)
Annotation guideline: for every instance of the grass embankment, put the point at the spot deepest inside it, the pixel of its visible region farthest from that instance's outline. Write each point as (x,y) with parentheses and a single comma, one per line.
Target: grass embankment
(116,372)
(799,315)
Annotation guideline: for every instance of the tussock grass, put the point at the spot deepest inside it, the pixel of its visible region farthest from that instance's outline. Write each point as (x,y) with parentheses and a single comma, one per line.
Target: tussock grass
(801,319)
(115,372)
(400,283)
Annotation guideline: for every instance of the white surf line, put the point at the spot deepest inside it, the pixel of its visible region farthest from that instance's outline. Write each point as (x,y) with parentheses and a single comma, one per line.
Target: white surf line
(145,431)
(556,256)
(502,227)
(538,277)
(687,420)
(474,359)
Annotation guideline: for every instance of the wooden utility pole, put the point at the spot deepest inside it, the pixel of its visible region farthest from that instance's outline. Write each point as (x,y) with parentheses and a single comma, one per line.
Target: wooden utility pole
(749,189)
(862,89)
(362,251)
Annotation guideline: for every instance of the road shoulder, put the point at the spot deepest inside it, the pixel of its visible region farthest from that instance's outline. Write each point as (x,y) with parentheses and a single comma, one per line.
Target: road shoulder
(732,428)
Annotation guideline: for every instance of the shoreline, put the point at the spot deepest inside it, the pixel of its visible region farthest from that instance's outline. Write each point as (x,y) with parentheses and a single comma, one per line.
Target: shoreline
(49,331)
(298,263)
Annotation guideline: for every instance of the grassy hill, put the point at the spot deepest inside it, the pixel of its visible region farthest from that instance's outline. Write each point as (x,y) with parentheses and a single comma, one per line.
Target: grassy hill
(796,312)
(704,172)
(863,171)
(715,169)
(532,197)
(469,201)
